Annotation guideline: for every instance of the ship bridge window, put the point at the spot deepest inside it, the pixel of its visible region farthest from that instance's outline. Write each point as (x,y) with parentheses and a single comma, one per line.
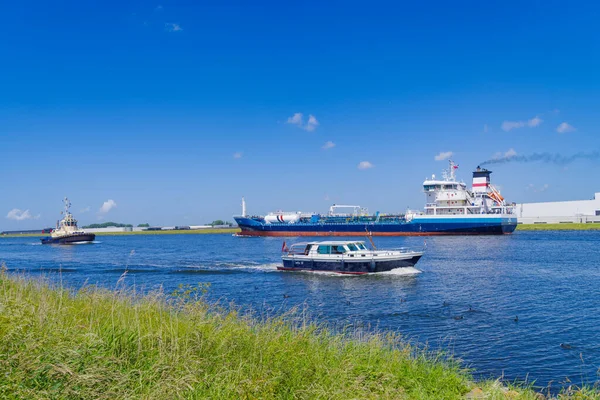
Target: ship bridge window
(338,250)
(352,247)
(361,246)
(324,250)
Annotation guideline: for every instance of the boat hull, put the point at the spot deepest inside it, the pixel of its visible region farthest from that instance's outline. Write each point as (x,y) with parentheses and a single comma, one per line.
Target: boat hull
(71,239)
(475,225)
(348,267)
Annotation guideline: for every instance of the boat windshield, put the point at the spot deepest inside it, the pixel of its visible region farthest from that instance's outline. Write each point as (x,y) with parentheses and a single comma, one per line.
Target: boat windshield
(338,249)
(361,246)
(352,247)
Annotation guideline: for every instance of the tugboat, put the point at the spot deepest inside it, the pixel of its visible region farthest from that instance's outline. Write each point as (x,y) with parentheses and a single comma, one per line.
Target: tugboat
(66,231)
(345,257)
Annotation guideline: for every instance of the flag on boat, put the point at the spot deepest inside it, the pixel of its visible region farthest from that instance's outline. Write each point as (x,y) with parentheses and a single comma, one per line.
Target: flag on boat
(283,246)
(455,166)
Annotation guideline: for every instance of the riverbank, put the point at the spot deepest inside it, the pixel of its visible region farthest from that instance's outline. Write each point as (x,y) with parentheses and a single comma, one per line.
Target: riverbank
(169,232)
(558,227)
(100,344)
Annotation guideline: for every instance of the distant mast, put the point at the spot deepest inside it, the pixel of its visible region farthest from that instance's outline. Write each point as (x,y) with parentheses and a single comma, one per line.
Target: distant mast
(243,207)
(67,204)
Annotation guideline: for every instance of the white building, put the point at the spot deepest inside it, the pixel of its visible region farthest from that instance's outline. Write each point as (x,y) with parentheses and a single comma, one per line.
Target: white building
(582,211)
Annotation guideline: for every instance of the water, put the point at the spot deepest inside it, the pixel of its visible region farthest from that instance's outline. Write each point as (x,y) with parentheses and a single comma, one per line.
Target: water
(466,300)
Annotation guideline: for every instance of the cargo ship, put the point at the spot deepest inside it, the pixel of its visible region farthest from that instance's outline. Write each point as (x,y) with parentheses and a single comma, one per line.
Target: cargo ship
(451,208)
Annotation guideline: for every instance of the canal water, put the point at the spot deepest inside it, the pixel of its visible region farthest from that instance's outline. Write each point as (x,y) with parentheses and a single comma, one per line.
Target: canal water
(523,307)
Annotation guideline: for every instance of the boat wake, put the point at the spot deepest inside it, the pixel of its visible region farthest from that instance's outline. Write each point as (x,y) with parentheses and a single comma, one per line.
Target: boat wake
(226,268)
(401,271)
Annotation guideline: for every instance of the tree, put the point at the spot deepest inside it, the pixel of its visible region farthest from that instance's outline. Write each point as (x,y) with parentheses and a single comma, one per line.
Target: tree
(108,225)
(143,225)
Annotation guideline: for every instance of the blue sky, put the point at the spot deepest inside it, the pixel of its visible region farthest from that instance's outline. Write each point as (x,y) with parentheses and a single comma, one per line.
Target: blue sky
(170,111)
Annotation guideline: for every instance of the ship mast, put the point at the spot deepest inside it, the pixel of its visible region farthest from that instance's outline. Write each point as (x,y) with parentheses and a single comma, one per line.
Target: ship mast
(450,174)
(452,169)
(67,205)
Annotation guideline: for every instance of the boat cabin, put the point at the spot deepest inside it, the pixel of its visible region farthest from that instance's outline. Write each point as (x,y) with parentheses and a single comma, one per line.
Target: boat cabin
(327,248)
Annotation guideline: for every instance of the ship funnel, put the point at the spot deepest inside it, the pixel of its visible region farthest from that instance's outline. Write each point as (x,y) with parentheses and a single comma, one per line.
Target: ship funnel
(481,180)
(243,207)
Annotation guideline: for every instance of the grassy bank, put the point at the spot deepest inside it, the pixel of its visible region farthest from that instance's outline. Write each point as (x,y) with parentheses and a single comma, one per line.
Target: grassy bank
(558,227)
(106,345)
(173,232)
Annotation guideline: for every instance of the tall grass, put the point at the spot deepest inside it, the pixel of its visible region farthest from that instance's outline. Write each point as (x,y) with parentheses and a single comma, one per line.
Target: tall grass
(99,344)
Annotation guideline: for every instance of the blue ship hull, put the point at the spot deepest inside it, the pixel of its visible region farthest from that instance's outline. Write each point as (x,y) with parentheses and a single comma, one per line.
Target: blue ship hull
(420,226)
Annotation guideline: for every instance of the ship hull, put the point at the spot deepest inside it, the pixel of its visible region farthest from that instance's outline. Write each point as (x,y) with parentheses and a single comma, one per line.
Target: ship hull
(348,267)
(418,227)
(71,239)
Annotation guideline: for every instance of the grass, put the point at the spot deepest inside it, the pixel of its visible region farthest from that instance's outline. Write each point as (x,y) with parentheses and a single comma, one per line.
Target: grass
(558,227)
(171,232)
(102,344)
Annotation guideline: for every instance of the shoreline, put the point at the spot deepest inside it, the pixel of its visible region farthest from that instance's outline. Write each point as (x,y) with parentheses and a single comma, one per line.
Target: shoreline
(217,231)
(169,232)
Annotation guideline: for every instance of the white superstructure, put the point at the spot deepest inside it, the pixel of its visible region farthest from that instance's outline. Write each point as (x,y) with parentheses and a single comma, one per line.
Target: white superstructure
(448,196)
(68,225)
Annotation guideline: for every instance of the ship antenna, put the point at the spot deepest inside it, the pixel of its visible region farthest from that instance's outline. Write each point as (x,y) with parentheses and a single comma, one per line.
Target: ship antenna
(67,205)
(451,167)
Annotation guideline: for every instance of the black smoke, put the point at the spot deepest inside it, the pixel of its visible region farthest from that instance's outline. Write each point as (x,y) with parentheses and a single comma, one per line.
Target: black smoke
(558,159)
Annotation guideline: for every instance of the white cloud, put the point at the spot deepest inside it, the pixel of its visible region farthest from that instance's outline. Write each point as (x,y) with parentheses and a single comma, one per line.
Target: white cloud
(444,155)
(535,121)
(510,153)
(509,125)
(18,215)
(540,189)
(312,123)
(565,128)
(171,27)
(532,123)
(238,154)
(328,145)
(365,165)
(84,210)
(298,120)
(295,119)
(107,206)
